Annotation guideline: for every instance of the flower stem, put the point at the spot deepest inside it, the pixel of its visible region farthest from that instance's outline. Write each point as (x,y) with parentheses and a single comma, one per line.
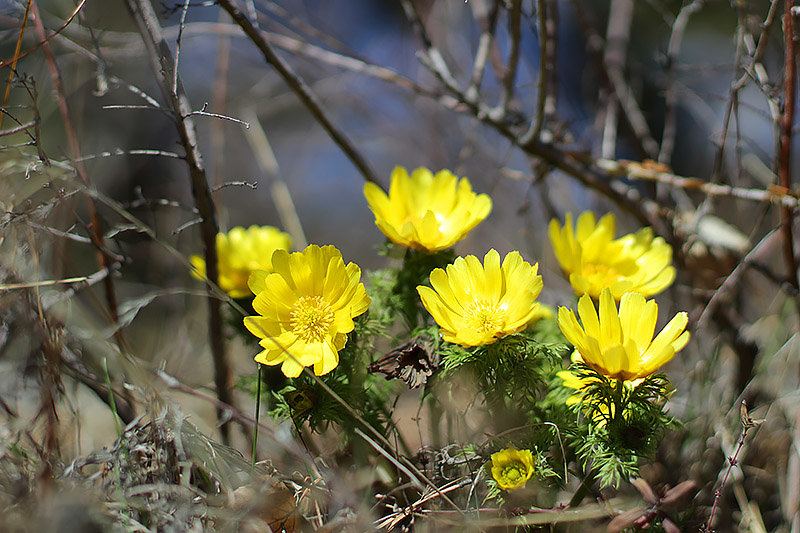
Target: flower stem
(255,429)
(583,489)
(619,404)
(111,402)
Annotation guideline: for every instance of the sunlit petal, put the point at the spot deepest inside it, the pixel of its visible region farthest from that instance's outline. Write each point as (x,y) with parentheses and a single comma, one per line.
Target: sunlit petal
(593,260)
(619,343)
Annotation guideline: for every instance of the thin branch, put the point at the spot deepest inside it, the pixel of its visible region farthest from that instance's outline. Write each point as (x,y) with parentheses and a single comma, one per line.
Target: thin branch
(181,25)
(485,14)
(510,73)
(431,57)
(671,96)
(541,95)
(620,88)
(636,170)
(733,98)
(136,90)
(551,33)
(17,129)
(317,53)
(785,151)
(120,152)
(104,258)
(220,100)
(135,107)
(732,280)
(300,88)
(163,67)
(12,72)
(747,425)
(262,150)
(250,185)
(615,55)
(204,113)
(5,63)
(45,283)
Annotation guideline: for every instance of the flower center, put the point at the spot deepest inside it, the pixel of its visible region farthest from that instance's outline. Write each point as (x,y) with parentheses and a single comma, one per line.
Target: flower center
(484,317)
(514,473)
(443,223)
(311,317)
(607,275)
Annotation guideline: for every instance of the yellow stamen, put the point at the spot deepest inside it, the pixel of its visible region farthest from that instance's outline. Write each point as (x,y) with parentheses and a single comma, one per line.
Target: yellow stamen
(514,472)
(602,274)
(484,317)
(311,317)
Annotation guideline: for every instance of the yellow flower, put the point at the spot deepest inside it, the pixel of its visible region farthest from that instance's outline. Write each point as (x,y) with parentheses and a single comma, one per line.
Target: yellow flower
(306,308)
(512,468)
(594,260)
(476,304)
(240,252)
(620,345)
(426,212)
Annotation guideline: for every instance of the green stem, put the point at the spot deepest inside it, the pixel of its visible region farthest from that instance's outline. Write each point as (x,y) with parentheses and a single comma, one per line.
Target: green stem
(583,489)
(619,405)
(111,402)
(255,429)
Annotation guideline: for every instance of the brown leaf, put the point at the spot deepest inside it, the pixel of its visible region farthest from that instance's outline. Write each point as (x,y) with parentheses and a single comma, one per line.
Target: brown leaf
(411,362)
(625,520)
(645,490)
(274,508)
(280,510)
(678,492)
(669,526)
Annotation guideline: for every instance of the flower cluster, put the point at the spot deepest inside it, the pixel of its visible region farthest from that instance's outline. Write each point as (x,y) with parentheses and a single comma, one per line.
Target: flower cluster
(615,343)
(306,301)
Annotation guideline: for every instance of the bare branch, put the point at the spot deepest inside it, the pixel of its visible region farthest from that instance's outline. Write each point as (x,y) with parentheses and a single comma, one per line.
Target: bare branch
(163,66)
(300,88)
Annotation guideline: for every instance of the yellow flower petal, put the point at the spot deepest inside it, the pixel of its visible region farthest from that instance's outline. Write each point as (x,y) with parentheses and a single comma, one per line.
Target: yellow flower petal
(289,367)
(240,252)
(512,468)
(610,331)
(591,323)
(661,349)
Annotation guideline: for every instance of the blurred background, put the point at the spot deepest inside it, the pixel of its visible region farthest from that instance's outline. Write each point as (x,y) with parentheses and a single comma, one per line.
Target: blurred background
(694,87)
